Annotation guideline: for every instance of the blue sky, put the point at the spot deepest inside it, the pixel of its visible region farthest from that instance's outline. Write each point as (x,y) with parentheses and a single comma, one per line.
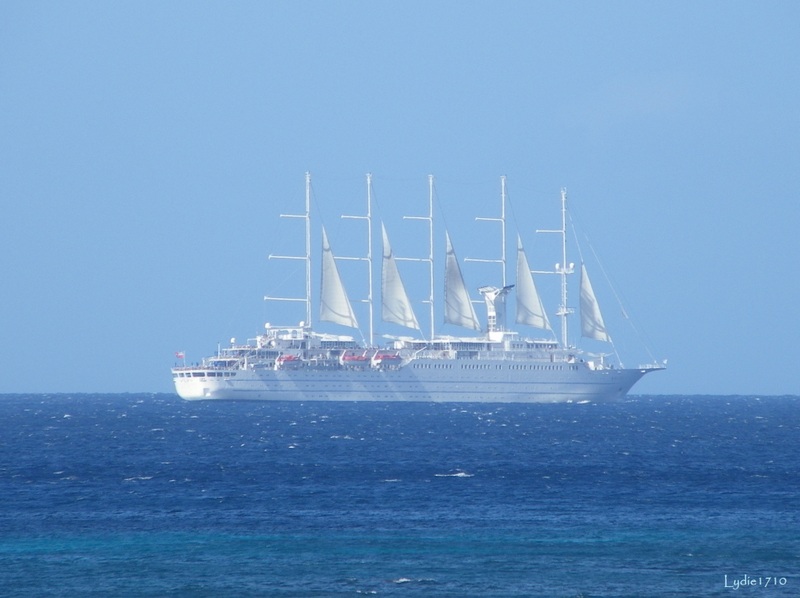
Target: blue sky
(147,149)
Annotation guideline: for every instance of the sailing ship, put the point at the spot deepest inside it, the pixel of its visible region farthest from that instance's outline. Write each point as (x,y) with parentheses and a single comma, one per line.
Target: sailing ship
(492,364)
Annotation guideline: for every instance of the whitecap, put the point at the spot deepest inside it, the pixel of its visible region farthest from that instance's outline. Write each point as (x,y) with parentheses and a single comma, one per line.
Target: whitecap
(409,580)
(458,474)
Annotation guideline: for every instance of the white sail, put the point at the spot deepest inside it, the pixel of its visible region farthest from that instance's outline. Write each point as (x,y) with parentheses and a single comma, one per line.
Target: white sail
(458,308)
(396,308)
(334,305)
(592,325)
(530,310)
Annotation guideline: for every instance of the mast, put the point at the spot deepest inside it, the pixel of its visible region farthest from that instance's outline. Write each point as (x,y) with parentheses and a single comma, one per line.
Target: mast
(307,257)
(367,259)
(429,259)
(307,218)
(502,221)
(563,269)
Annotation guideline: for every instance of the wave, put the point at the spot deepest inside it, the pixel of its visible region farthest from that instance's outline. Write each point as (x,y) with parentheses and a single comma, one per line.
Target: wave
(457,474)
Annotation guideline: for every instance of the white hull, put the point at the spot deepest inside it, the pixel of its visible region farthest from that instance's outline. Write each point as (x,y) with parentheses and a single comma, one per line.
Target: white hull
(431,381)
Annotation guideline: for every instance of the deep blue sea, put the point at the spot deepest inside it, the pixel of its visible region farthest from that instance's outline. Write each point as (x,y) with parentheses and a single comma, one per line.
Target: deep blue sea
(148,495)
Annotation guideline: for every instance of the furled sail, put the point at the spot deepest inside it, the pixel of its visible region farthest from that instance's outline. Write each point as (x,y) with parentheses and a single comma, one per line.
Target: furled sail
(592,325)
(530,310)
(334,305)
(396,308)
(458,308)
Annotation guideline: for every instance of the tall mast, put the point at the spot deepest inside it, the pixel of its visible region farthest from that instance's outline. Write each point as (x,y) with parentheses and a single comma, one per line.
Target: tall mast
(367,259)
(307,218)
(502,221)
(503,224)
(429,259)
(563,269)
(307,257)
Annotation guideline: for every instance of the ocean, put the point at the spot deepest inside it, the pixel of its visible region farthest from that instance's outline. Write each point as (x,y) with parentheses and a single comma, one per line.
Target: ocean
(149,495)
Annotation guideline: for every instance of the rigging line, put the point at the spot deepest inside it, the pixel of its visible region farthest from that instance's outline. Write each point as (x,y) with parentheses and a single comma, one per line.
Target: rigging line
(440,208)
(280,284)
(315,205)
(438,203)
(514,219)
(598,261)
(602,269)
(378,214)
(519,236)
(522,234)
(441,215)
(640,334)
(577,239)
(375,202)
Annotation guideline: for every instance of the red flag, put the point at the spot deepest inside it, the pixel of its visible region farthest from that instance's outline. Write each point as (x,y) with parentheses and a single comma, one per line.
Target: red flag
(180,354)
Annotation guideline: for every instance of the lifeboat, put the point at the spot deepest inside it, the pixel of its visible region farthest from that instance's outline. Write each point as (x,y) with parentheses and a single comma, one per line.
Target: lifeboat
(288,360)
(355,359)
(386,359)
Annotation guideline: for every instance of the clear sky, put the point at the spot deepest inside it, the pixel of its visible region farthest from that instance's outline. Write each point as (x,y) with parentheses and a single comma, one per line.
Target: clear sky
(147,149)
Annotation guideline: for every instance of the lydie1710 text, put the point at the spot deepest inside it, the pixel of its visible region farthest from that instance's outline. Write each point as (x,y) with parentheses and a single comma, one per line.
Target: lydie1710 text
(748,581)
